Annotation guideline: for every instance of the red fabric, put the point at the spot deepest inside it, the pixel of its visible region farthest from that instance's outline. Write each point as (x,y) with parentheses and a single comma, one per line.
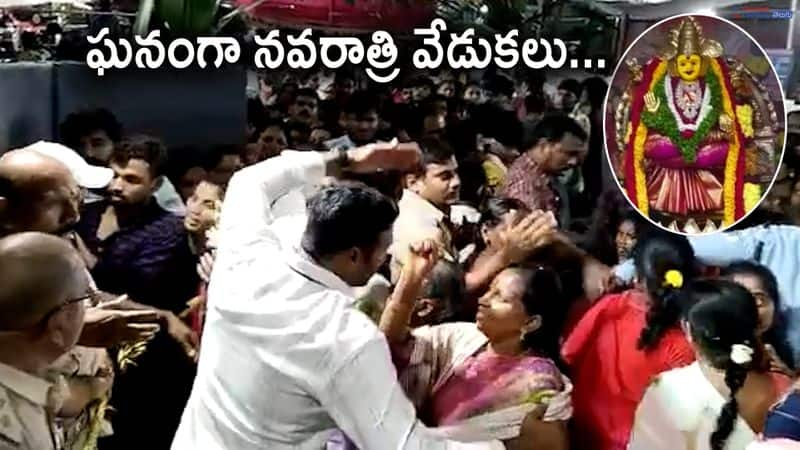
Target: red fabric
(610,374)
(682,191)
(636,112)
(197,317)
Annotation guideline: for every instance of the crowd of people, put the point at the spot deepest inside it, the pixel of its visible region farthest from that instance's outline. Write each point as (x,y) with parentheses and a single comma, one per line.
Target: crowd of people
(437,264)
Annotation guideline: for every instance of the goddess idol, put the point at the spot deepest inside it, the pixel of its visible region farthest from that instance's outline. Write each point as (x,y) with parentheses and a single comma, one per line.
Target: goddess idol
(686,135)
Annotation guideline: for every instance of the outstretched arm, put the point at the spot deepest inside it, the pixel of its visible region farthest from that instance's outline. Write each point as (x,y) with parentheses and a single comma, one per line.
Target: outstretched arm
(248,211)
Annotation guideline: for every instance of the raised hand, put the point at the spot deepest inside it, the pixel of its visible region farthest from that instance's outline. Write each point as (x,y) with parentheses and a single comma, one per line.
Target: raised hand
(108,326)
(422,257)
(384,156)
(531,232)
(206,265)
(651,102)
(725,123)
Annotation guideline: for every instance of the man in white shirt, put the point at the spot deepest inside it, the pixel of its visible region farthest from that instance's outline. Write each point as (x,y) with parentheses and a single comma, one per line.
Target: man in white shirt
(286,359)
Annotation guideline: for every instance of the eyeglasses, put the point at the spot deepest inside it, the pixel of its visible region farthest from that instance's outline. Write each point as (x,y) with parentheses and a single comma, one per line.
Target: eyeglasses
(88,296)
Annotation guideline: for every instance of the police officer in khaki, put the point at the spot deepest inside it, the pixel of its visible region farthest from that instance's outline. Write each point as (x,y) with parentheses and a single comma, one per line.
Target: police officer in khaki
(44,288)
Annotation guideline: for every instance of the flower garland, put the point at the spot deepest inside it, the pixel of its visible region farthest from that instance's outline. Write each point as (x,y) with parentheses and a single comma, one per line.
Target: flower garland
(752,195)
(705,107)
(636,180)
(665,122)
(733,185)
(641,183)
(745,115)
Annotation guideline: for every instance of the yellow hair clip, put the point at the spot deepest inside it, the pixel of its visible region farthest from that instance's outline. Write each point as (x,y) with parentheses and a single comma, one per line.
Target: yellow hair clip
(673,278)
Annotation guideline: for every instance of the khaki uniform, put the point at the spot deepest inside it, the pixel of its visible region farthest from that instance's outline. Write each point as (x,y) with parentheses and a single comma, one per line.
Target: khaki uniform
(27,404)
(418,220)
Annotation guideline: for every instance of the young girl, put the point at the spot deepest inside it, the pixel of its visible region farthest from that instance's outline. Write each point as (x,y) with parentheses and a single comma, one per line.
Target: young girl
(625,340)
(763,286)
(721,401)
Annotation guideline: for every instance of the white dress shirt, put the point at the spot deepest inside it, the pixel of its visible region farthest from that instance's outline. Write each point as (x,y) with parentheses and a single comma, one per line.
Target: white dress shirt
(286,359)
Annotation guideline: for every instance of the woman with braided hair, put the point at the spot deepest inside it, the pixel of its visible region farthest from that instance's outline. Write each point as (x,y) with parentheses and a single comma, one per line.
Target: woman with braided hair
(625,340)
(721,401)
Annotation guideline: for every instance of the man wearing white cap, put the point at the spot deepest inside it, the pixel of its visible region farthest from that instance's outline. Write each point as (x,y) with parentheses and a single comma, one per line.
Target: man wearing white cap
(39,192)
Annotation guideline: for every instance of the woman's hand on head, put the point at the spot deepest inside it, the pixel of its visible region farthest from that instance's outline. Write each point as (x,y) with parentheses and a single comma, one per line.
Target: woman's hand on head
(533,231)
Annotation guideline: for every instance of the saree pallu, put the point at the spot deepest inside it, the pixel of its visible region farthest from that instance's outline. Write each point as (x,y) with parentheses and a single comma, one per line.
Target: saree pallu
(432,357)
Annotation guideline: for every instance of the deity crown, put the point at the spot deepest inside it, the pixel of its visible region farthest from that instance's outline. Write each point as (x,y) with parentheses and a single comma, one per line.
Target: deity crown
(687,39)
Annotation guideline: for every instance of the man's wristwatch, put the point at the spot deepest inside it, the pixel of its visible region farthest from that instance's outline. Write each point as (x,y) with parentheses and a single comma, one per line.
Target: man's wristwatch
(342,158)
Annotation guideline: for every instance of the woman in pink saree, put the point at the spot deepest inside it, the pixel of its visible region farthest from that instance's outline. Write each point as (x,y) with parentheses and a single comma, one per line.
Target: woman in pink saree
(496,379)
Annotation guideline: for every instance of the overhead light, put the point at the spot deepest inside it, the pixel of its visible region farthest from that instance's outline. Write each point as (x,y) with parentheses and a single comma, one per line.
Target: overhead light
(706,12)
(484,9)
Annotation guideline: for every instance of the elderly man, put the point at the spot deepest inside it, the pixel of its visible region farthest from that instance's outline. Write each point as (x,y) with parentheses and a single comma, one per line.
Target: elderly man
(41,315)
(40,193)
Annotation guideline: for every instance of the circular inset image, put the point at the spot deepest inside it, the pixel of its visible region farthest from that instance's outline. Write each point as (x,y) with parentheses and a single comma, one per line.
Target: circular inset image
(694,123)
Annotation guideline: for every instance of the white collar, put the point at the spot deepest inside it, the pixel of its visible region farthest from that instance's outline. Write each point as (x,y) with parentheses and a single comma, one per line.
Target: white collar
(34,389)
(302,263)
(413,201)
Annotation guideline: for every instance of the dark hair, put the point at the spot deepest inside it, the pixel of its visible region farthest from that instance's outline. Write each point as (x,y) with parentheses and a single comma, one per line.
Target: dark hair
(147,148)
(500,84)
(776,335)
(429,105)
(387,182)
(218,153)
(446,284)
(340,76)
(422,81)
(552,128)
(82,123)
(305,92)
(612,210)
(492,211)
(535,103)
(724,314)
(7,189)
(571,85)
(494,208)
(346,216)
(762,216)
(654,255)
(300,127)
(543,296)
(360,104)
(596,89)
(434,151)
(492,121)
